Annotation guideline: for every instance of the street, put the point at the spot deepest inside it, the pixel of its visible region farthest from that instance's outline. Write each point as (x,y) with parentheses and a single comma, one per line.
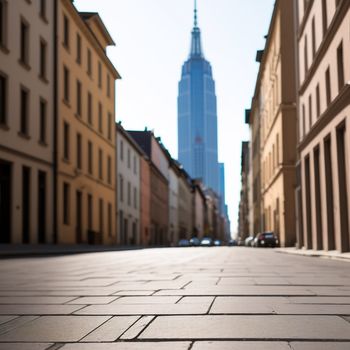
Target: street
(227,298)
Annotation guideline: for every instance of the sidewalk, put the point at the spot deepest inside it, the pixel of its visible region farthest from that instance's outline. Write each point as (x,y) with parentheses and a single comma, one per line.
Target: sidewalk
(332,254)
(25,250)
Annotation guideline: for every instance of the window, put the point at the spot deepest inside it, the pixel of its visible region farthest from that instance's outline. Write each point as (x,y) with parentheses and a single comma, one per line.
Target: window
(89,108)
(65,31)
(324,17)
(108,85)
(306,64)
(135,165)
(24,44)
(99,74)
(304,116)
(42,133)
(78,98)
(100,164)
(129,160)
(100,122)
(90,157)
(129,193)
(101,215)
(24,111)
(3,23)
(135,198)
(78,49)
(109,126)
(121,188)
(109,170)
(43,59)
(313,31)
(79,165)
(43,9)
(328,87)
(66,83)
(66,209)
(3,100)
(121,150)
(89,63)
(66,141)
(109,219)
(310,111)
(90,214)
(340,64)
(318,101)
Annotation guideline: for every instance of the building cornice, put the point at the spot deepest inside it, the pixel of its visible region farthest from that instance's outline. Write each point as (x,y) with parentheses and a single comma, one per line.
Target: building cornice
(330,34)
(340,102)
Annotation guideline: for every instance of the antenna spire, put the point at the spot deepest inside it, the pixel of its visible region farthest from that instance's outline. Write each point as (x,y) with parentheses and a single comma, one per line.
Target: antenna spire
(195,14)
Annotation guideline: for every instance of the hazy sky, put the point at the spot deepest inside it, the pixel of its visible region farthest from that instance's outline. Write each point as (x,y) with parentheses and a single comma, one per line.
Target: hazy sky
(153,40)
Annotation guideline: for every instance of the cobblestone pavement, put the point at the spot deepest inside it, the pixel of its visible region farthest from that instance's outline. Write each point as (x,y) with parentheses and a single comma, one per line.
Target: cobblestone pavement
(224,298)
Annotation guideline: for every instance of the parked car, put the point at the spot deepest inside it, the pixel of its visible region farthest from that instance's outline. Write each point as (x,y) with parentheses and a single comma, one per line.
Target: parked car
(248,241)
(206,242)
(183,243)
(266,239)
(195,242)
(217,243)
(232,242)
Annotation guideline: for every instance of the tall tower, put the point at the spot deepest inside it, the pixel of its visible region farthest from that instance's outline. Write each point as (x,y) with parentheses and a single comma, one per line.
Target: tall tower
(197,118)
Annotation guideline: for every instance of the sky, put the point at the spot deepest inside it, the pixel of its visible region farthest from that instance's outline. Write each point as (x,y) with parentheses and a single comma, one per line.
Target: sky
(153,40)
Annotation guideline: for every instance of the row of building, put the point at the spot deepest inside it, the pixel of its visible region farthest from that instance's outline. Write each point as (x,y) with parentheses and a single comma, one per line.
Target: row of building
(68,173)
(296,165)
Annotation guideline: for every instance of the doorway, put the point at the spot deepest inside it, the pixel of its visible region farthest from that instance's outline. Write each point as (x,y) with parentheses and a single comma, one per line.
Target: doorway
(5,202)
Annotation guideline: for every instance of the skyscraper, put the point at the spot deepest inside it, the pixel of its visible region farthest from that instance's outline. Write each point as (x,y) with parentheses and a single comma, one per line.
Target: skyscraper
(197,118)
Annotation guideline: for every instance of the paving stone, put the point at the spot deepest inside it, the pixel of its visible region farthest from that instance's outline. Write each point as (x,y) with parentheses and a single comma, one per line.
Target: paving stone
(134,292)
(320,346)
(38,309)
(26,346)
(195,300)
(147,300)
(246,345)
(34,300)
(248,327)
(111,330)
(312,309)
(54,329)
(320,300)
(137,328)
(92,300)
(144,309)
(130,346)
(4,319)
(16,322)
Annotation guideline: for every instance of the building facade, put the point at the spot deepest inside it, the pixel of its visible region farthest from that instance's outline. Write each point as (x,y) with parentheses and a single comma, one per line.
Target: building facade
(276,89)
(85,160)
(198,209)
(197,116)
(26,121)
(185,206)
(323,124)
(128,194)
(145,202)
(173,203)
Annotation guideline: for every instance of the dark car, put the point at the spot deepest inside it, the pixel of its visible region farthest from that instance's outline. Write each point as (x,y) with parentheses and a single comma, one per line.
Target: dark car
(183,243)
(195,242)
(206,242)
(266,239)
(232,242)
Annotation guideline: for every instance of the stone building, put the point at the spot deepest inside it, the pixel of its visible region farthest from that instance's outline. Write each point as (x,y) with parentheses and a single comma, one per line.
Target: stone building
(275,106)
(323,124)
(85,129)
(198,208)
(159,185)
(145,201)
(26,121)
(174,174)
(128,173)
(243,210)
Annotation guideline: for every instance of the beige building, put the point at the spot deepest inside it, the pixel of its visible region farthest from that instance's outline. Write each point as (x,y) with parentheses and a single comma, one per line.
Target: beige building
(184,206)
(324,118)
(26,121)
(85,129)
(276,100)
